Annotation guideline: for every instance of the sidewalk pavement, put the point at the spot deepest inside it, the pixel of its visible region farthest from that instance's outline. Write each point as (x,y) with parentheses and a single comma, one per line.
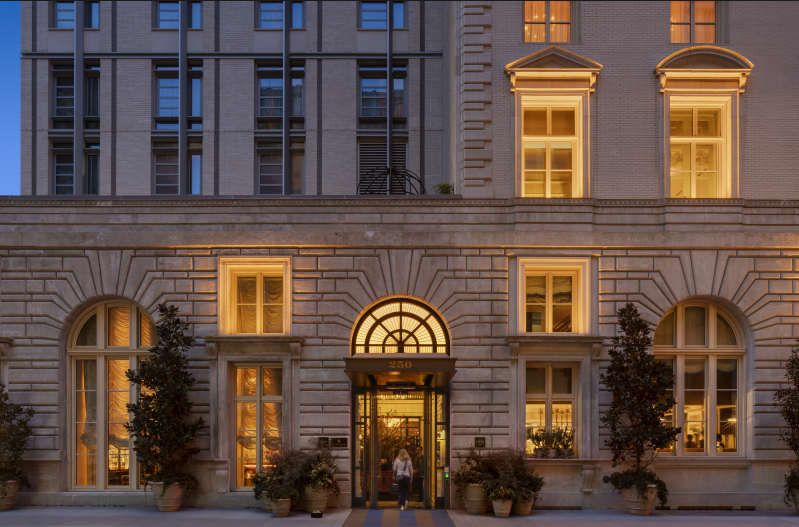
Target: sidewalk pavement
(616,518)
(151,517)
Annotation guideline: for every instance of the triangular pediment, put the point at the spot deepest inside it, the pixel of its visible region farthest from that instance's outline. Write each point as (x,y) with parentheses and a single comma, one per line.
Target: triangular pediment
(553,58)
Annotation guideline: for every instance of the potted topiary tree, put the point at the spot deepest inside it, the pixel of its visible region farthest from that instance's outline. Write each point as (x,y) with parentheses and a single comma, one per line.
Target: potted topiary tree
(14,435)
(787,399)
(640,388)
(321,482)
(162,433)
(502,492)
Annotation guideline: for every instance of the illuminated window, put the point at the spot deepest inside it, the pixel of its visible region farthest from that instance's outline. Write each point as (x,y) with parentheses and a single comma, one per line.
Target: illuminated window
(259,418)
(112,339)
(549,302)
(698,161)
(549,143)
(255,296)
(547,22)
(549,410)
(400,326)
(693,22)
(703,348)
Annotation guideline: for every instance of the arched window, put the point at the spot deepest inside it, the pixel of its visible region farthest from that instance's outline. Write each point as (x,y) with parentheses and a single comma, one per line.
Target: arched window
(400,326)
(109,340)
(704,347)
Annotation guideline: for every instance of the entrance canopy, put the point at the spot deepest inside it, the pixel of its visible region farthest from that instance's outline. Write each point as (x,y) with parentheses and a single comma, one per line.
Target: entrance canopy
(400,371)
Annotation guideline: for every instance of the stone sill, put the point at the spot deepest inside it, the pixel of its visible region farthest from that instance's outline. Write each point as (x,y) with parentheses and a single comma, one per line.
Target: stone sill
(253,338)
(556,338)
(705,462)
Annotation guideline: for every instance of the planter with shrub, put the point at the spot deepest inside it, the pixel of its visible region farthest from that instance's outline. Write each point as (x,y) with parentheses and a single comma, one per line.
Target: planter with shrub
(787,400)
(163,435)
(15,432)
(640,388)
(274,493)
(468,481)
(321,482)
(558,443)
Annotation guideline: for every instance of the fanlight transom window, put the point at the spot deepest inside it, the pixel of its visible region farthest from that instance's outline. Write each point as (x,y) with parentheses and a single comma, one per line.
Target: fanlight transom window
(696,326)
(400,326)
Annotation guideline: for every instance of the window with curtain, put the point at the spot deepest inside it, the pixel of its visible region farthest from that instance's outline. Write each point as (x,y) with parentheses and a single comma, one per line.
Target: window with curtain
(693,22)
(112,339)
(702,345)
(259,418)
(547,22)
(549,302)
(259,303)
(697,141)
(549,405)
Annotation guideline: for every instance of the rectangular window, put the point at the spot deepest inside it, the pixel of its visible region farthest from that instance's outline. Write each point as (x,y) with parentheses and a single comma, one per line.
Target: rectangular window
(259,303)
(296,97)
(549,409)
(270,172)
(196,97)
(271,99)
(195,173)
(93,174)
(373,97)
(168,97)
(549,302)
(64,174)
(92,15)
(259,418)
(271,15)
(167,173)
(547,21)
(373,15)
(297,15)
(93,97)
(65,96)
(693,22)
(697,141)
(195,15)
(549,139)
(168,15)
(706,389)
(64,15)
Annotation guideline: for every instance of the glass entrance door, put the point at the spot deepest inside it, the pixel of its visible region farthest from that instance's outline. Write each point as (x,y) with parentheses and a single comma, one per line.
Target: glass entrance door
(387,422)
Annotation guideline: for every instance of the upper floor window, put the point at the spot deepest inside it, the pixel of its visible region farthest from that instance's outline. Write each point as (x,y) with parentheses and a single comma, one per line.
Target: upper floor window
(92,106)
(271,15)
(64,15)
(697,144)
(547,21)
(63,168)
(112,339)
(297,15)
(92,15)
(195,15)
(93,169)
(64,103)
(703,346)
(373,98)
(168,15)
(255,296)
(167,93)
(195,117)
(693,22)
(553,295)
(374,15)
(549,139)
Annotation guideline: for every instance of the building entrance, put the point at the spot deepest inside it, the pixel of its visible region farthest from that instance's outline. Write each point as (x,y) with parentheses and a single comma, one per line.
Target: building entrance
(387,421)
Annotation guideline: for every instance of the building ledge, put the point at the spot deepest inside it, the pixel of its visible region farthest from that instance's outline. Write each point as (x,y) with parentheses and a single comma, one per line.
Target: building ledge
(252,343)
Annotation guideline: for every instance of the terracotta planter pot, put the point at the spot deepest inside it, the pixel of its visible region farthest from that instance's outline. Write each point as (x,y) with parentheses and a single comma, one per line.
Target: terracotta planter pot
(502,508)
(314,499)
(475,499)
(170,500)
(267,504)
(332,500)
(640,506)
(11,494)
(524,508)
(280,508)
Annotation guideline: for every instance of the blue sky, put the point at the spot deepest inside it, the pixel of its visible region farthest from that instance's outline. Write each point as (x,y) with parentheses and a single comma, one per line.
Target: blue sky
(9,92)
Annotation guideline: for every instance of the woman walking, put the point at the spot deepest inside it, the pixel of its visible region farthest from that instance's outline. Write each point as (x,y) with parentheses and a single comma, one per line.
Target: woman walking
(403,475)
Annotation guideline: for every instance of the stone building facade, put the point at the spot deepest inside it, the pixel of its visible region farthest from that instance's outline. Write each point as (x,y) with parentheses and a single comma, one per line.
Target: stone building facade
(668,186)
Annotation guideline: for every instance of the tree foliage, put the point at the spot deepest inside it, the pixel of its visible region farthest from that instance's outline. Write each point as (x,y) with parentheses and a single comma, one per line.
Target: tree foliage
(163,435)
(640,387)
(15,431)
(787,399)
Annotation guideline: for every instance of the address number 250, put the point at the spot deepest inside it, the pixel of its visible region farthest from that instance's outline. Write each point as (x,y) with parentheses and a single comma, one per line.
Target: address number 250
(399,364)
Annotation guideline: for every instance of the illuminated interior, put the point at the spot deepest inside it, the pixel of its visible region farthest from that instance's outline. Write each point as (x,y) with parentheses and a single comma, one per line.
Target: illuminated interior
(400,326)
